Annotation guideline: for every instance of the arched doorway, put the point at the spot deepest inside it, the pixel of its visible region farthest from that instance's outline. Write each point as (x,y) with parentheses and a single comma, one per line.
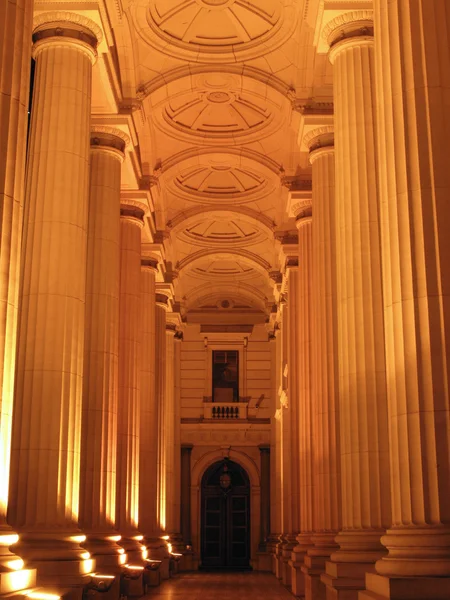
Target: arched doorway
(225,516)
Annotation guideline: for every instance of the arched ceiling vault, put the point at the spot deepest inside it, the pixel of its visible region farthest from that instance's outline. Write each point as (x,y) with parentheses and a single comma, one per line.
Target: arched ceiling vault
(217,82)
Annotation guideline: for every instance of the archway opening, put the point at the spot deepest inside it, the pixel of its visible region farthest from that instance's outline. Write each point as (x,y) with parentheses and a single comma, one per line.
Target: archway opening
(225,517)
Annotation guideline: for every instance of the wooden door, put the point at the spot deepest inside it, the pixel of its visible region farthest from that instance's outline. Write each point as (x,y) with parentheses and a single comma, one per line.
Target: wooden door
(225,526)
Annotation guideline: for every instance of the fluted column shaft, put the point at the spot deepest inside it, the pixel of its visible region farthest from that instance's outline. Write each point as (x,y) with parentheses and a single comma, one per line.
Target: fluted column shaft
(177,438)
(295,386)
(168,431)
(327,514)
(303,437)
(149,433)
(366,510)
(15,58)
(101,353)
(47,423)
(362,378)
(127,509)
(162,304)
(160,387)
(412,59)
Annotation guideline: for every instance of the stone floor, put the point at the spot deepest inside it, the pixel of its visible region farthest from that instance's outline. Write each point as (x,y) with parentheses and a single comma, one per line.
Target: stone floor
(221,586)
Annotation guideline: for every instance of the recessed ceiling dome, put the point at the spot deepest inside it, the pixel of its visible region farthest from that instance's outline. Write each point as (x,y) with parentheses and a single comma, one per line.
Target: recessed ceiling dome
(215,22)
(216,30)
(213,231)
(224,268)
(219,178)
(217,114)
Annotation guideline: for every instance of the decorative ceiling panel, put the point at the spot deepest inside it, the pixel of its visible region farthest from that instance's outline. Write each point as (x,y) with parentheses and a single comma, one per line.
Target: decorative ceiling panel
(216,30)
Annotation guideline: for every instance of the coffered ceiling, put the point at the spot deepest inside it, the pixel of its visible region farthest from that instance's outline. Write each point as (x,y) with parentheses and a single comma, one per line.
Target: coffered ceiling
(214,97)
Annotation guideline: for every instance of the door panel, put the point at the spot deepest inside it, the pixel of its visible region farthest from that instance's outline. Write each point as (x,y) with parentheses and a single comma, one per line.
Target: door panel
(225,525)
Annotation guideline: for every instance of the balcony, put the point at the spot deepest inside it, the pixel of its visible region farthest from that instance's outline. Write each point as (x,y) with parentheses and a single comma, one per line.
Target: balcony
(225,411)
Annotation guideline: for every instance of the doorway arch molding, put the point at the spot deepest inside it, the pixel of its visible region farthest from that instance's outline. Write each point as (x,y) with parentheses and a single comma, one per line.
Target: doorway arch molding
(246,462)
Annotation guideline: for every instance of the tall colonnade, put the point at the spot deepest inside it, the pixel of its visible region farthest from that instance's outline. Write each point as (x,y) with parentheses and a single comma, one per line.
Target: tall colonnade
(76,478)
(374,426)
(90,448)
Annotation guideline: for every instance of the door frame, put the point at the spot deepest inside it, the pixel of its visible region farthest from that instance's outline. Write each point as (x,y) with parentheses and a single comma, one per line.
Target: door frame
(248,462)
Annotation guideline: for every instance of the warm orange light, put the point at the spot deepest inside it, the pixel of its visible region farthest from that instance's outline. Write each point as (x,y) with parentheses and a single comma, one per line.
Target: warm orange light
(86,566)
(138,537)
(21,579)
(114,538)
(122,559)
(78,539)
(165,537)
(97,576)
(9,540)
(43,596)
(16,564)
(134,567)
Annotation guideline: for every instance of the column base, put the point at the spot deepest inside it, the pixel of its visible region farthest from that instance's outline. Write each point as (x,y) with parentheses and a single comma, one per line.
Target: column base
(345,574)
(297,562)
(109,556)
(279,558)
(314,565)
(131,542)
(286,570)
(380,587)
(158,550)
(58,558)
(343,581)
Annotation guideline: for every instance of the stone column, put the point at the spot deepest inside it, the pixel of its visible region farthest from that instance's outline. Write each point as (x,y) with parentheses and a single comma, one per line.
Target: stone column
(275,455)
(325,518)
(162,305)
(127,509)
(45,466)
(101,352)
(366,509)
(302,328)
(149,432)
(294,384)
(186,451)
(285,545)
(168,430)
(177,537)
(15,58)
(264,453)
(412,83)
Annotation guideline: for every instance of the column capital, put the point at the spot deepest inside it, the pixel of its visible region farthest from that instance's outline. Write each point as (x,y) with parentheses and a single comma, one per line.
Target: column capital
(171,329)
(109,142)
(133,214)
(162,300)
(149,264)
(303,213)
(320,141)
(350,29)
(64,28)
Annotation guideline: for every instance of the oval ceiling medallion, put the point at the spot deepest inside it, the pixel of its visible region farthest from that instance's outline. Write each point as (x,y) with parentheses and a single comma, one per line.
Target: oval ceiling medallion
(209,183)
(224,268)
(233,232)
(227,115)
(217,30)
